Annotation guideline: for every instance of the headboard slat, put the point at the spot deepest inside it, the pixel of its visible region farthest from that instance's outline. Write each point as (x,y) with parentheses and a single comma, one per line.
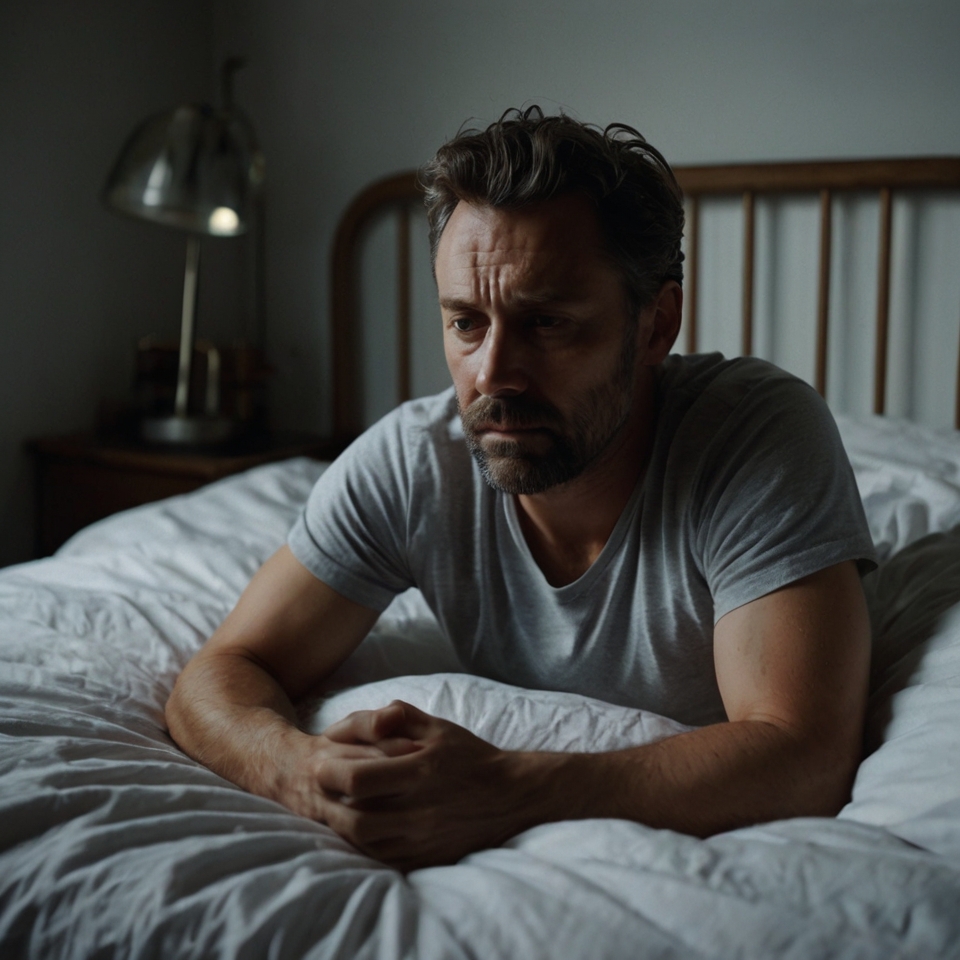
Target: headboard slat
(883,301)
(956,413)
(404,373)
(749,257)
(823,291)
(690,273)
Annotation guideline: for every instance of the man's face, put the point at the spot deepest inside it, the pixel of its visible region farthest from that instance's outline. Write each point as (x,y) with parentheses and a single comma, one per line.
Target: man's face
(538,338)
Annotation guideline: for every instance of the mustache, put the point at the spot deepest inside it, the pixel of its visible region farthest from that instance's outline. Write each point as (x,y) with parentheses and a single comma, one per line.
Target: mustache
(508,413)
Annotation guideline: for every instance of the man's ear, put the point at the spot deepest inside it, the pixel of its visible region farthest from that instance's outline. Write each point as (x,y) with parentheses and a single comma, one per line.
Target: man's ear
(662,323)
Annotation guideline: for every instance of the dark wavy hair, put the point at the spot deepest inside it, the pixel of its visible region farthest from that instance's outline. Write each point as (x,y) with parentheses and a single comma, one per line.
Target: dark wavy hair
(526,157)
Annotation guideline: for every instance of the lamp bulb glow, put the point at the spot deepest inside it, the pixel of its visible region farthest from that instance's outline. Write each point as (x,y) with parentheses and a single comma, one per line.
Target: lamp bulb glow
(224,221)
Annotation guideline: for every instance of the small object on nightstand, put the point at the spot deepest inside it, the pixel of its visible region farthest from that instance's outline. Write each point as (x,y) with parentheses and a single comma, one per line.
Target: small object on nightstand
(229,380)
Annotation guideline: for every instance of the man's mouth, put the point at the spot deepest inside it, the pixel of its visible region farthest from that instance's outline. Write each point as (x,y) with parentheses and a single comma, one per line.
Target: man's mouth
(507,428)
(507,431)
(506,420)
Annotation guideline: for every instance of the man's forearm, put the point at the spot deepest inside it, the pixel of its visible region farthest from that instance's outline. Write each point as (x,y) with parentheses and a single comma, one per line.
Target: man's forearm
(703,782)
(232,716)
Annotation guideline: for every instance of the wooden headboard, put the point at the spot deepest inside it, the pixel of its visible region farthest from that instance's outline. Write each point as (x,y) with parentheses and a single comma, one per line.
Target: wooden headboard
(825,179)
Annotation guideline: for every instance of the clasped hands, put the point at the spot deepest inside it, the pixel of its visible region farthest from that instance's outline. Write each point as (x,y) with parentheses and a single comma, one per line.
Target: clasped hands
(413,790)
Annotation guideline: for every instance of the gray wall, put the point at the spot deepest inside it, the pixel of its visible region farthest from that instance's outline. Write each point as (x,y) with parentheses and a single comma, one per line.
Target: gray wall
(342,91)
(79,285)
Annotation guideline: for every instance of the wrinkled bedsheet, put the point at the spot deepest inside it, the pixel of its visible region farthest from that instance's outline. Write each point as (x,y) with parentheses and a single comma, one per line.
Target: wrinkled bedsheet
(115,844)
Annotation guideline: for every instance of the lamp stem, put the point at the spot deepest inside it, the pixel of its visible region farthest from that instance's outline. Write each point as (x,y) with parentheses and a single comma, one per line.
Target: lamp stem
(227,69)
(187,326)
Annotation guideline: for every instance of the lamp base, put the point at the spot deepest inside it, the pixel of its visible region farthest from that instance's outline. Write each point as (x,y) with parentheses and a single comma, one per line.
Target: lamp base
(189,431)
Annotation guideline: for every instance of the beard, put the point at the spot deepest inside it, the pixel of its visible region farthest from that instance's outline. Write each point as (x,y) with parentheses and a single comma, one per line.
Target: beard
(575,441)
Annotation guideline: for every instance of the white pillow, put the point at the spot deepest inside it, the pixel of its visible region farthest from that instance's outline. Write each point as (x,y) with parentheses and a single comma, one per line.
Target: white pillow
(908,476)
(910,781)
(508,717)
(247,512)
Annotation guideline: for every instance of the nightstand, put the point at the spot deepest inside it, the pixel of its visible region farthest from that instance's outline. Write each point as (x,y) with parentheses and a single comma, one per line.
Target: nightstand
(82,478)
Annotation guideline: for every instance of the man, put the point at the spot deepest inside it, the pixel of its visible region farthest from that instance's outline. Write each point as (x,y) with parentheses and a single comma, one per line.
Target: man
(582,512)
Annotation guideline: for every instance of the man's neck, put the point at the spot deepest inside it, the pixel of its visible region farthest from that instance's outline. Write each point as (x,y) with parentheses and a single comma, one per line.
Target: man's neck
(567,527)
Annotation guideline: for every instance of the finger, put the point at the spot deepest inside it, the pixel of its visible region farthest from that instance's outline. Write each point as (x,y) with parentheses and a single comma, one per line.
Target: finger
(364,829)
(354,751)
(366,779)
(409,849)
(399,853)
(367,726)
(416,723)
(398,746)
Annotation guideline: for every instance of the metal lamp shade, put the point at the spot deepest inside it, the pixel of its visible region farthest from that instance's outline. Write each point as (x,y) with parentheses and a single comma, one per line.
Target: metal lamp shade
(194,168)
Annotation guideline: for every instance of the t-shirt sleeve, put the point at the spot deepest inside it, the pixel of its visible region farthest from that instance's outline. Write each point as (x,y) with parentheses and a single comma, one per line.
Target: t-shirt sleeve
(777,496)
(352,531)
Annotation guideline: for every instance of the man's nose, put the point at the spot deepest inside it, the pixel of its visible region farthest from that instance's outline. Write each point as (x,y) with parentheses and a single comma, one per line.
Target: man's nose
(502,364)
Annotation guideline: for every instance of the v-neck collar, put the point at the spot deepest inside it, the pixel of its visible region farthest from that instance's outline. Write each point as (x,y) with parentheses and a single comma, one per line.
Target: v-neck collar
(586,580)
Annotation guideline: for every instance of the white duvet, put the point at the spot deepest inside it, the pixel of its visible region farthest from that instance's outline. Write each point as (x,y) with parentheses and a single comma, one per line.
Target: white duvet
(114,844)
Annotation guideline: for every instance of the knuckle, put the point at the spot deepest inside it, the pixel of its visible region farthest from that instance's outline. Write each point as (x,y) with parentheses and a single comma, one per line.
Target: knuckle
(362,828)
(321,770)
(341,818)
(330,815)
(350,782)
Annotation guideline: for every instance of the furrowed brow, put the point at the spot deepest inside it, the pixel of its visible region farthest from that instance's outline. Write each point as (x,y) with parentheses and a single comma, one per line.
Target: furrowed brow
(542,297)
(531,299)
(454,303)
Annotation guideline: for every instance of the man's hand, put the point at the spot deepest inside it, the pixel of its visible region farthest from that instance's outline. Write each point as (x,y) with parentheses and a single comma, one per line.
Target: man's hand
(437,793)
(302,759)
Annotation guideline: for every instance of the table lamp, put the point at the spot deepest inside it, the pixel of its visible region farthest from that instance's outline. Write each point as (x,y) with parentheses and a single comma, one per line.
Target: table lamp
(197,169)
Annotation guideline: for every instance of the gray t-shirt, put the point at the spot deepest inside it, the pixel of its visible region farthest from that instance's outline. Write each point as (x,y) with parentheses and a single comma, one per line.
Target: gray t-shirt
(748,488)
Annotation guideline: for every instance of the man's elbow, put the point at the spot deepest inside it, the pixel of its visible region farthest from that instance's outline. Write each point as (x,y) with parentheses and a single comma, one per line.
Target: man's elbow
(175,711)
(838,771)
(826,767)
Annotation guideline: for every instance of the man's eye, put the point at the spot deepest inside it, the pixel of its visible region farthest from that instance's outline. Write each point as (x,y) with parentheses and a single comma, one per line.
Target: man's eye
(546,322)
(463,324)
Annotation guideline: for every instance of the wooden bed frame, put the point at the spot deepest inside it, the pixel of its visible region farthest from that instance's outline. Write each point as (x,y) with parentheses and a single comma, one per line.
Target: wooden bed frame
(826,179)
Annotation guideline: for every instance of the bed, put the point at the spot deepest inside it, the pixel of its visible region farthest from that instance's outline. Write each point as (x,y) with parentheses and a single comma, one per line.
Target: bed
(115,844)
